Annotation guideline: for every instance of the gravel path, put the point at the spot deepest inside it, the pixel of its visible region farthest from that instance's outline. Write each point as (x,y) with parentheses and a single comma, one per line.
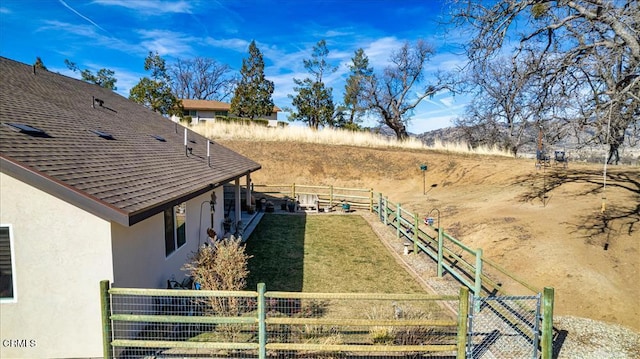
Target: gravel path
(576,338)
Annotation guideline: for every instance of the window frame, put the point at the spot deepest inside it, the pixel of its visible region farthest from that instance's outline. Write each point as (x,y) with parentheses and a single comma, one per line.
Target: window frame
(14,291)
(175,224)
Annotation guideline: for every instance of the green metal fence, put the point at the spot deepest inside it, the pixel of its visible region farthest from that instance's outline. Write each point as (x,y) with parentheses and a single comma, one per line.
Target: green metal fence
(481,275)
(260,324)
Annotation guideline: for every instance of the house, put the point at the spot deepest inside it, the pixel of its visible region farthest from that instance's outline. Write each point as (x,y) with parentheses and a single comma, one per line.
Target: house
(93,187)
(207,110)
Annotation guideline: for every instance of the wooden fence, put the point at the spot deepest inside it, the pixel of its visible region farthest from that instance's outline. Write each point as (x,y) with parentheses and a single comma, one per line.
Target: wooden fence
(330,198)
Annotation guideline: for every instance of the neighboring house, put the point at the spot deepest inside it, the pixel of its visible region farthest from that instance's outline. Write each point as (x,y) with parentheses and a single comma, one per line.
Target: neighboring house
(92,187)
(206,110)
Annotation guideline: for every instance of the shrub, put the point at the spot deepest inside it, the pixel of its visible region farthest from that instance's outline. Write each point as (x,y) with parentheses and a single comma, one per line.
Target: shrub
(221,265)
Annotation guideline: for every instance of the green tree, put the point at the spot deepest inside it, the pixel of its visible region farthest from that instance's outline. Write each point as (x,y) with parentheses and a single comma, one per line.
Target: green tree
(354,90)
(155,92)
(252,97)
(103,78)
(314,101)
(39,64)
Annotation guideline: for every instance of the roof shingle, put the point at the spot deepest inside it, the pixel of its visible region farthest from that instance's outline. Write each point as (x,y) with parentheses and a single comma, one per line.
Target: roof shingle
(126,179)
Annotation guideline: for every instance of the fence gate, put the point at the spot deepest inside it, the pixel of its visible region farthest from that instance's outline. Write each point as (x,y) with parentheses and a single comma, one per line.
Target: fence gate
(504,327)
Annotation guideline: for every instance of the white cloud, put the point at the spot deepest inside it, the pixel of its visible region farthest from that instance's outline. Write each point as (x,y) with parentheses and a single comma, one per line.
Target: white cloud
(447,101)
(234,44)
(151,7)
(379,51)
(166,42)
(65,27)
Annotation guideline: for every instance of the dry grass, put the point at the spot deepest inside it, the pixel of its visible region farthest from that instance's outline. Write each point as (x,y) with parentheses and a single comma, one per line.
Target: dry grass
(329,136)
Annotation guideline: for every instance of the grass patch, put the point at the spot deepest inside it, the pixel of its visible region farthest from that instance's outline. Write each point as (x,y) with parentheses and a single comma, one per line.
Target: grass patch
(332,253)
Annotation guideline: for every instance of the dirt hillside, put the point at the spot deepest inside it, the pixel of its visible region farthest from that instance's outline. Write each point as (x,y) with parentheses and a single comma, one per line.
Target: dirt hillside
(545,225)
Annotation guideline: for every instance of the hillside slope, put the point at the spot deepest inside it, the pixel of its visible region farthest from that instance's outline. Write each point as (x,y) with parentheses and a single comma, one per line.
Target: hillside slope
(556,237)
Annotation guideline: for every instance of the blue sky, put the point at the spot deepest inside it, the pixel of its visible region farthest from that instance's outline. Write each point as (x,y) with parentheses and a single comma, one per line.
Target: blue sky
(118,35)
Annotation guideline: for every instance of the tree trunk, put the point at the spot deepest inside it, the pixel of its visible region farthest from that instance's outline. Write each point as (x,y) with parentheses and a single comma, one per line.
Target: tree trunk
(398,127)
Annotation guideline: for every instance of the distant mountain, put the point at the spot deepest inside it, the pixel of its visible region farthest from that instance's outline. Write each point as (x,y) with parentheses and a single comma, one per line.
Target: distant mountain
(629,153)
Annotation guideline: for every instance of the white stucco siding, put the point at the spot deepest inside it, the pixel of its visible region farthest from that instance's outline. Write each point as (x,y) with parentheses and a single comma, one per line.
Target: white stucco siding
(61,254)
(139,251)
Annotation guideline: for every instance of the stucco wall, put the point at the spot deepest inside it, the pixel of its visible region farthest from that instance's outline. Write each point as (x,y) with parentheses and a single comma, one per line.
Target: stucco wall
(61,254)
(139,251)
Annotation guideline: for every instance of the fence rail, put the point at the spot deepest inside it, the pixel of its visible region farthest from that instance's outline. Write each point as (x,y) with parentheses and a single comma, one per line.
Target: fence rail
(261,324)
(328,196)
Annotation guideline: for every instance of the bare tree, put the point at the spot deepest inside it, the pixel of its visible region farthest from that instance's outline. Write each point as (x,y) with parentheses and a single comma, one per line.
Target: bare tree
(201,78)
(587,50)
(501,110)
(392,94)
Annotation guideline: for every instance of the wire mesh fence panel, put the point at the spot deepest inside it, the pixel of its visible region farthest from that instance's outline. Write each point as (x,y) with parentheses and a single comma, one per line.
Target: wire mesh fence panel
(146,323)
(183,323)
(358,327)
(504,327)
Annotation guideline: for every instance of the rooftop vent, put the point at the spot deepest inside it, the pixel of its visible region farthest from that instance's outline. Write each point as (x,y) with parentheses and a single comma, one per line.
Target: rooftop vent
(97,101)
(29,130)
(105,135)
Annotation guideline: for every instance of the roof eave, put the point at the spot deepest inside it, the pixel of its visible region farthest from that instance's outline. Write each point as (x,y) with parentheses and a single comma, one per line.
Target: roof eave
(62,191)
(93,205)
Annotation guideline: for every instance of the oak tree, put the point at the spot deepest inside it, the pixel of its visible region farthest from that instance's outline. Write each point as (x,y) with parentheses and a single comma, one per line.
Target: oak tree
(201,78)
(585,51)
(393,94)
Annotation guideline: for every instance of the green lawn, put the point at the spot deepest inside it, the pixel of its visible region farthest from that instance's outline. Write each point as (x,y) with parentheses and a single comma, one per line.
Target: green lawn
(327,253)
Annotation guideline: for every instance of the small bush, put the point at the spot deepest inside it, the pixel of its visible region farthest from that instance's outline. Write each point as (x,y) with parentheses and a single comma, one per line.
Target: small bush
(221,265)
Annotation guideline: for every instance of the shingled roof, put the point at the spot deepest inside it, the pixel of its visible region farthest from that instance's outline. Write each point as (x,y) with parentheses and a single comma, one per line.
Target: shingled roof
(211,105)
(100,151)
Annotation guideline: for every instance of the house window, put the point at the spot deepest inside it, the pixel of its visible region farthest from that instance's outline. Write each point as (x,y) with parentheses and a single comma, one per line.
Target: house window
(7,267)
(192,113)
(174,228)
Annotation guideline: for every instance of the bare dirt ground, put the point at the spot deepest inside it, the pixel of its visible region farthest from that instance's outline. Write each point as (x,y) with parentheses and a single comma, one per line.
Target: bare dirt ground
(546,225)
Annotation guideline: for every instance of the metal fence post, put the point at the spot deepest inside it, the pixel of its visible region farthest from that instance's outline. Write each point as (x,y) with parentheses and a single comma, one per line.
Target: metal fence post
(440,250)
(262,326)
(386,214)
(547,323)
(463,314)
(477,288)
(380,206)
(415,233)
(105,305)
(398,219)
(293,190)
(371,200)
